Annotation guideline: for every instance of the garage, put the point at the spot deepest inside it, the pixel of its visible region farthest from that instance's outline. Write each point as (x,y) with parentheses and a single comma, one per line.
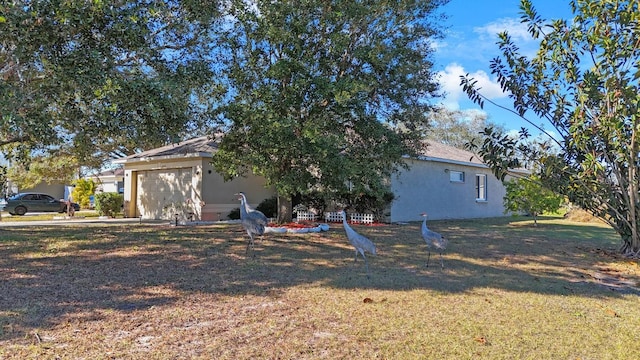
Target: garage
(160,190)
(178,178)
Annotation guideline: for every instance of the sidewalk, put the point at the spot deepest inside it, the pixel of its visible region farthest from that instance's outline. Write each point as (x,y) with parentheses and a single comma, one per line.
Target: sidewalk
(6,221)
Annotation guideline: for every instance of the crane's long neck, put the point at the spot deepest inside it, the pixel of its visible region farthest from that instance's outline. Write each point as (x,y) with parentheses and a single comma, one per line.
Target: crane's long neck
(344,221)
(243,207)
(245,204)
(424,223)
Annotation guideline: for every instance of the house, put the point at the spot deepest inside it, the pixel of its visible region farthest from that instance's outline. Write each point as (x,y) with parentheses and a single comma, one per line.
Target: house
(446,183)
(56,189)
(110,181)
(179,178)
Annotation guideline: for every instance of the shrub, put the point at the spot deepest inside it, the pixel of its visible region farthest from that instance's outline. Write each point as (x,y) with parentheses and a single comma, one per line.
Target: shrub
(83,189)
(313,200)
(109,204)
(373,203)
(269,207)
(234,214)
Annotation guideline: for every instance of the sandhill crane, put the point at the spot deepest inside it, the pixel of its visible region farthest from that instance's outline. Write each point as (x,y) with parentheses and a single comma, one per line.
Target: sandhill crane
(434,239)
(359,242)
(253,221)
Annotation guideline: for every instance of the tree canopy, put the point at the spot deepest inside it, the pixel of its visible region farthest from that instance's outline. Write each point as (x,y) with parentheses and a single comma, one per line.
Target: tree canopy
(456,128)
(94,78)
(584,80)
(528,195)
(318,90)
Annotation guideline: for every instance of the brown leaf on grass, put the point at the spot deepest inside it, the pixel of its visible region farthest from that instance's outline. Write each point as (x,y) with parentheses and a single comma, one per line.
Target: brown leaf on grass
(367,300)
(611,312)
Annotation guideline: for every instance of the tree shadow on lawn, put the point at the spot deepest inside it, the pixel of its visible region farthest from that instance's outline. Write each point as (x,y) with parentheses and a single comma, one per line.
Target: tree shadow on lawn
(49,275)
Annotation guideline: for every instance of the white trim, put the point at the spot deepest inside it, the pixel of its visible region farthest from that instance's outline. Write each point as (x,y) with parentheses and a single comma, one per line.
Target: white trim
(447,161)
(134,159)
(482,187)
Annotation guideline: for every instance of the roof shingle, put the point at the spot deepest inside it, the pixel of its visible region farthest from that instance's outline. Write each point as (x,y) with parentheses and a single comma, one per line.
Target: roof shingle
(205,146)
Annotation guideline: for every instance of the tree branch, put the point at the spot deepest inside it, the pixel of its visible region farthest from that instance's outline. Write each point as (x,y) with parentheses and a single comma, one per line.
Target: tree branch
(14,140)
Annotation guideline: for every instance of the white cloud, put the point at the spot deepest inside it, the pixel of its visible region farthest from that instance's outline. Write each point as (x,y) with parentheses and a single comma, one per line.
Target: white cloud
(450,81)
(516,29)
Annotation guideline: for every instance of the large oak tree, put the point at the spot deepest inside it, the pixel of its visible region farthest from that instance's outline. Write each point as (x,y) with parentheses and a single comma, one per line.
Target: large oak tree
(97,78)
(318,90)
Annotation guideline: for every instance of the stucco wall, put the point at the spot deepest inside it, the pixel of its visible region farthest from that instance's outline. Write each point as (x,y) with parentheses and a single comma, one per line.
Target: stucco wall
(426,187)
(133,170)
(219,197)
(55,190)
(211,197)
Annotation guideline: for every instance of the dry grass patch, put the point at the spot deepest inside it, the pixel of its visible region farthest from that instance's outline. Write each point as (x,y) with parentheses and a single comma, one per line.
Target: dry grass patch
(508,291)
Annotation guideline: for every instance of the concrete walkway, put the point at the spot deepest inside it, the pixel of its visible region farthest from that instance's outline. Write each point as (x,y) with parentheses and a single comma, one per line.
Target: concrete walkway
(6,222)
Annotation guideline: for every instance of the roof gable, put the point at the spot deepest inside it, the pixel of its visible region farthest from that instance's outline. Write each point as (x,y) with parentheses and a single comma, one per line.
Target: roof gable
(444,153)
(202,146)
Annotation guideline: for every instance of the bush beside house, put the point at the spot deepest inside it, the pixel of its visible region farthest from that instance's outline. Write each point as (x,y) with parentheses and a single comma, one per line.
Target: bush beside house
(109,204)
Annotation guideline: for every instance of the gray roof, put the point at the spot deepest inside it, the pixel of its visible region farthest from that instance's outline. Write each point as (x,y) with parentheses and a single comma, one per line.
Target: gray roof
(204,146)
(111,172)
(440,152)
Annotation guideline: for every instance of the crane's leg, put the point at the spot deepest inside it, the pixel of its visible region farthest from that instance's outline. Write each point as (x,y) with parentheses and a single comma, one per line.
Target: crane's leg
(428,257)
(366,264)
(441,261)
(249,244)
(355,259)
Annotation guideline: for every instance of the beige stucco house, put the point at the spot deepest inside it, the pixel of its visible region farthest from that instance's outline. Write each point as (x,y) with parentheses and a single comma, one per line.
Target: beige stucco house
(111,180)
(445,182)
(180,178)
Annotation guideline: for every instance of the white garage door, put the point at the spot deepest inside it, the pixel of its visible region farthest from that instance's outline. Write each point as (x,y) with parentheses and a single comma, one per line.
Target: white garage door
(160,189)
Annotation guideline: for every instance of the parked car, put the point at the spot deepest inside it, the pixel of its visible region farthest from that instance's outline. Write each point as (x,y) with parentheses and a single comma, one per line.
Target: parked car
(22,203)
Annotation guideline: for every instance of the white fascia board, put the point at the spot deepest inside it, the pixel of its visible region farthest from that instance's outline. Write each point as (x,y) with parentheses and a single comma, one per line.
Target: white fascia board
(161,158)
(448,161)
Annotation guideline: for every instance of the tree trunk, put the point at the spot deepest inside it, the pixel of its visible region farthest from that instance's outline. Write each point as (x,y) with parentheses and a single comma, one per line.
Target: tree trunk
(284,209)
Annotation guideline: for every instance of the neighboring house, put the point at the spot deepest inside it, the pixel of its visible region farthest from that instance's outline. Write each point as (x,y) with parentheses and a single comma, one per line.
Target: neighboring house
(446,183)
(179,177)
(110,181)
(57,190)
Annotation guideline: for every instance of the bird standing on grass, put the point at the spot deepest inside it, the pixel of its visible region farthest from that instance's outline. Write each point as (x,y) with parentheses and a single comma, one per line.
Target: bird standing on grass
(434,239)
(359,242)
(253,221)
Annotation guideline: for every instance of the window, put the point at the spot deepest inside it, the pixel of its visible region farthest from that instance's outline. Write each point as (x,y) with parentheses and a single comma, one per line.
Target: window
(456,176)
(481,187)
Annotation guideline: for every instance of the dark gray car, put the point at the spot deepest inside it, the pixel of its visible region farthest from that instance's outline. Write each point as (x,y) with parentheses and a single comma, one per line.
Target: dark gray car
(22,203)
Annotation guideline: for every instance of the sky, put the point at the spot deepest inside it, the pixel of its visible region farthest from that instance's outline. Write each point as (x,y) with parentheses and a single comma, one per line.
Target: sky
(470,44)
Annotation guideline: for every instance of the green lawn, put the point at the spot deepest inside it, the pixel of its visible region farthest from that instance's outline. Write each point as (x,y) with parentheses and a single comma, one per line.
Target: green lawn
(508,291)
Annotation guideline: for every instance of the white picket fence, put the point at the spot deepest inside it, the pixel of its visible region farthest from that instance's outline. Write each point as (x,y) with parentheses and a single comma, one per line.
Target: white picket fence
(333,216)
(355,218)
(362,218)
(305,216)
